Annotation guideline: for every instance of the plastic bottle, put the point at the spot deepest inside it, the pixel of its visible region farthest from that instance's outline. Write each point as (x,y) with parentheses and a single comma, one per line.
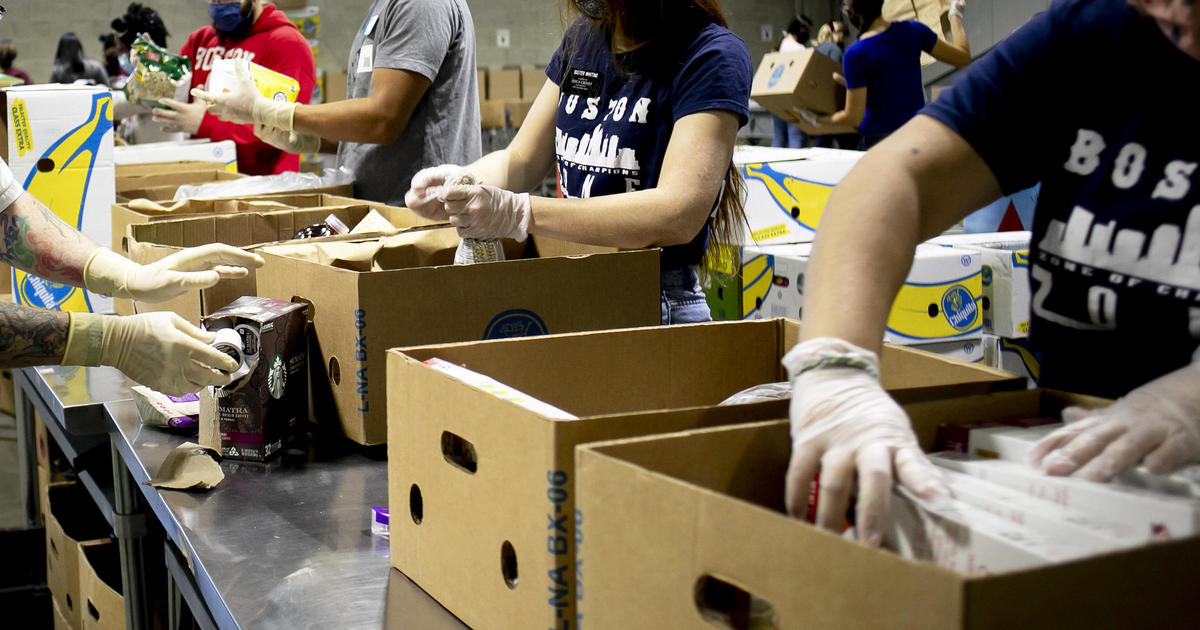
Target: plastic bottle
(332,226)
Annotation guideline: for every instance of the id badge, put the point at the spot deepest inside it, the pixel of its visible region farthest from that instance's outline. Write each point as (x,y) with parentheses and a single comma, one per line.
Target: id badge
(585,83)
(366,58)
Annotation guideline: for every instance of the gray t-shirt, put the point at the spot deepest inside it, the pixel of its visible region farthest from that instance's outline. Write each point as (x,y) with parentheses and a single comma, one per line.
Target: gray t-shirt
(436,39)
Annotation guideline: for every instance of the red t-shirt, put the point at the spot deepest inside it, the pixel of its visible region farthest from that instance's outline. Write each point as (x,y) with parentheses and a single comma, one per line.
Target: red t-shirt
(273,42)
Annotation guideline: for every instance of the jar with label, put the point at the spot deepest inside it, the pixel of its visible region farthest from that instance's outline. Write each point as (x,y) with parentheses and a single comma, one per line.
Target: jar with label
(332,226)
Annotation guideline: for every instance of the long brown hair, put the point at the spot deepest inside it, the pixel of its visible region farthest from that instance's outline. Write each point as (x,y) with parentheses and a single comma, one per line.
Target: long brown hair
(640,21)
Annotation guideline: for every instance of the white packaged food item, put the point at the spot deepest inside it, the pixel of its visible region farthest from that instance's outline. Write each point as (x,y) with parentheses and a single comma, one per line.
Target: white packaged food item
(1092,531)
(961,537)
(760,393)
(471,251)
(373,222)
(161,410)
(1014,444)
(1154,515)
(498,389)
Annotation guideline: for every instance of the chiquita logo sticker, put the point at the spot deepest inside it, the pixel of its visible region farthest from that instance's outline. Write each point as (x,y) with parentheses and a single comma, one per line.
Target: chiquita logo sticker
(959,307)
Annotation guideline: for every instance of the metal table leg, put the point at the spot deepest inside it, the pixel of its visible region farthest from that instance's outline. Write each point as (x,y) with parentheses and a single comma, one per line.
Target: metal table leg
(27,459)
(130,525)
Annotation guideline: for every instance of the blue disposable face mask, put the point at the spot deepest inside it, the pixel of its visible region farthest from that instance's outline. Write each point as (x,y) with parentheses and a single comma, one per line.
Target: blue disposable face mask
(227,17)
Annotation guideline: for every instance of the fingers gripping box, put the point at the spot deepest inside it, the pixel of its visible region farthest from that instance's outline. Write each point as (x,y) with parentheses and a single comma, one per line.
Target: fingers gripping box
(258,411)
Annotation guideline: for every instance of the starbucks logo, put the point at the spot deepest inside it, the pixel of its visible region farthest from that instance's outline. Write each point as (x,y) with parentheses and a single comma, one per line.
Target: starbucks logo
(277,377)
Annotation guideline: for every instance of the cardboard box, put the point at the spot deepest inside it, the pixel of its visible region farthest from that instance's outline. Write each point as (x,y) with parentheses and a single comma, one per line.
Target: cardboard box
(288,5)
(1012,355)
(60,620)
(407,293)
(258,413)
(473,478)
(533,79)
(492,114)
(8,402)
(965,350)
(163,187)
(224,151)
(335,86)
(100,586)
(787,189)
(127,173)
(656,524)
(481,82)
(804,78)
(516,111)
(939,301)
(931,13)
(156,240)
(1006,292)
(504,84)
(71,518)
(59,145)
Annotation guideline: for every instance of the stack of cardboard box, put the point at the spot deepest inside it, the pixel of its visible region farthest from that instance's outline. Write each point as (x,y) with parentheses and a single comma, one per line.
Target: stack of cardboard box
(506,94)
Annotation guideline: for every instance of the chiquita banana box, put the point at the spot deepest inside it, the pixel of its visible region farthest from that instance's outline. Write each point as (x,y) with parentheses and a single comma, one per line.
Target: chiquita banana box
(1006,293)
(60,147)
(786,190)
(940,299)
(1013,355)
(965,350)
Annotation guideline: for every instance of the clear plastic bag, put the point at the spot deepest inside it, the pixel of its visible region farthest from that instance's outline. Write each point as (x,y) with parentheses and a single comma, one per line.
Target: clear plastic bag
(264,185)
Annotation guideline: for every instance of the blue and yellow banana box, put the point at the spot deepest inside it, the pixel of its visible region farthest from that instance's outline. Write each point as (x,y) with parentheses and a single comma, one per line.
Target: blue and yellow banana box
(60,148)
(786,190)
(940,299)
(1012,355)
(1006,293)
(965,350)
(224,151)
(308,20)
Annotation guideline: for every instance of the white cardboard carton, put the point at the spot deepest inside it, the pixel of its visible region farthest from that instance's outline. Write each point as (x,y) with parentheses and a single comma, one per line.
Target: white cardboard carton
(60,148)
(786,190)
(203,150)
(1005,258)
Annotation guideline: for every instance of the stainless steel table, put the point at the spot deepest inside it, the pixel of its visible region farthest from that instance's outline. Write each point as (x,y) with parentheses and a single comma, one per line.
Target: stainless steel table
(281,545)
(286,544)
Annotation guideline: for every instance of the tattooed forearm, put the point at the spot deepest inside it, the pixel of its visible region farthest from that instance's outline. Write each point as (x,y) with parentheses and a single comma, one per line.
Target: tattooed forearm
(31,336)
(37,241)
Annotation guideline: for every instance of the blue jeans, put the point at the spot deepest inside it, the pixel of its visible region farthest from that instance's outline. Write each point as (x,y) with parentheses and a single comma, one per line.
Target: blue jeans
(683,300)
(786,135)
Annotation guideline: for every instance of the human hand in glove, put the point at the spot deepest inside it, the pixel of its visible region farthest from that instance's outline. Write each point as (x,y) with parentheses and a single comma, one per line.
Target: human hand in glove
(487,212)
(109,273)
(245,104)
(1158,423)
(957,7)
(288,141)
(843,422)
(423,194)
(159,350)
(180,116)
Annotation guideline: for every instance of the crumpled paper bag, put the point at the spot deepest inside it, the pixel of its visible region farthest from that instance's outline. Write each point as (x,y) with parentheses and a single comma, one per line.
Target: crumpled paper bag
(188,467)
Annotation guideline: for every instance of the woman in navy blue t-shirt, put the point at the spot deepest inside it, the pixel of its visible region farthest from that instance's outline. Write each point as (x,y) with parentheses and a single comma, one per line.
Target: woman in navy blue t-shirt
(883,68)
(638,118)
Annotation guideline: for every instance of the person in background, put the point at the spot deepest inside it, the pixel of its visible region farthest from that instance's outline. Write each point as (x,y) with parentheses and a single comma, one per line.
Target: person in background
(638,118)
(262,34)
(70,66)
(831,42)
(160,350)
(883,69)
(1114,268)
(413,99)
(8,54)
(794,39)
(112,61)
(136,124)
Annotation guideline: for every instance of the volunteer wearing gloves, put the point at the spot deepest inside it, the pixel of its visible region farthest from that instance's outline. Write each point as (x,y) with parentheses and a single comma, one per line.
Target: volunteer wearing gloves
(412,99)
(639,116)
(262,34)
(883,69)
(1115,265)
(160,350)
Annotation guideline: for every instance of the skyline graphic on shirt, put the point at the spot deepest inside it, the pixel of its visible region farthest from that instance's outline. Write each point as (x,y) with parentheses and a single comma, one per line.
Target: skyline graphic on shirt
(1173,256)
(597,151)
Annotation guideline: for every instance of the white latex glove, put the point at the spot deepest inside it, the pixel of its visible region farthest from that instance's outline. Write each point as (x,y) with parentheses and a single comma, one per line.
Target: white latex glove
(843,422)
(159,350)
(185,117)
(1158,423)
(957,7)
(109,273)
(245,104)
(288,141)
(487,212)
(426,186)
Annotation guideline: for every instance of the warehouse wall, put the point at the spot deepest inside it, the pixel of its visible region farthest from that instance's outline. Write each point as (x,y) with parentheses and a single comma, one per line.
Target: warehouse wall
(534,26)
